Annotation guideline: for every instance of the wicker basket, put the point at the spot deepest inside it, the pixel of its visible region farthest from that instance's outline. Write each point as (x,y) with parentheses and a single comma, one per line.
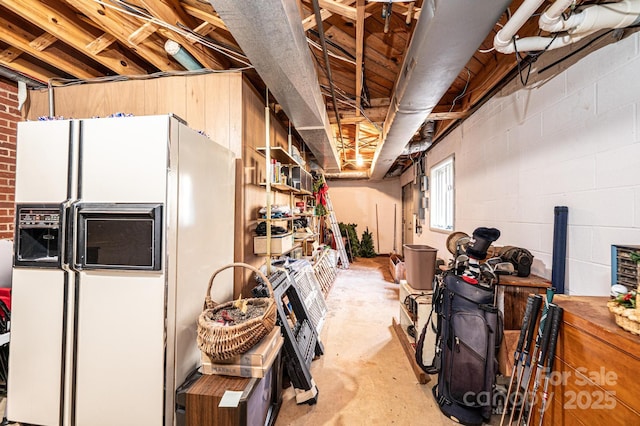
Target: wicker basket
(627,318)
(221,341)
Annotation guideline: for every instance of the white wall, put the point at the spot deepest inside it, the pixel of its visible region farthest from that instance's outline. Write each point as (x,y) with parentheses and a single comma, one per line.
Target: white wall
(356,201)
(570,138)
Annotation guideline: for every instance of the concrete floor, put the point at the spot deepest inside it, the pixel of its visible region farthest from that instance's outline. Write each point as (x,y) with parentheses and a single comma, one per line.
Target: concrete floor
(364,376)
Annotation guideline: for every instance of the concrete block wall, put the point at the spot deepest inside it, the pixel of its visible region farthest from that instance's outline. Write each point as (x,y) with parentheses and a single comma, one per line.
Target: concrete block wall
(570,137)
(9,117)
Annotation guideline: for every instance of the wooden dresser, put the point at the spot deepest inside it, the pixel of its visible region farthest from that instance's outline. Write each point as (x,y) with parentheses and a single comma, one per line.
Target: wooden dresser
(598,368)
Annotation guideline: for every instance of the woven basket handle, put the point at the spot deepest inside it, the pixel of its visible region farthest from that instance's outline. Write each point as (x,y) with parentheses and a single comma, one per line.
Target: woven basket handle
(209,303)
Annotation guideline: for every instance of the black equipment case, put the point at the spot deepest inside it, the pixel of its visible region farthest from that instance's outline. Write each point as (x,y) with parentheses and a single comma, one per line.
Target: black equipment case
(469,336)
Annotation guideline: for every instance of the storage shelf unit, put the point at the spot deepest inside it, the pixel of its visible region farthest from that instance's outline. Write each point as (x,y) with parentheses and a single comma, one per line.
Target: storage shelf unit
(624,270)
(294,181)
(298,179)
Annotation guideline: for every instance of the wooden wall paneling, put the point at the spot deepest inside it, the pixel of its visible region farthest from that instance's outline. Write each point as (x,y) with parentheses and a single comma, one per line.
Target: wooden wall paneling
(38,105)
(254,135)
(79,101)
(135,92)
(151,96)
(237,85)
(195,101)
(254,171)
(171,97)
(216,109)
(119,97)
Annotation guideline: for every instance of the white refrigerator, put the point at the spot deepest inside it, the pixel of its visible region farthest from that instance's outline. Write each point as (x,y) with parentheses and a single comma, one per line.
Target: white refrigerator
(120,223)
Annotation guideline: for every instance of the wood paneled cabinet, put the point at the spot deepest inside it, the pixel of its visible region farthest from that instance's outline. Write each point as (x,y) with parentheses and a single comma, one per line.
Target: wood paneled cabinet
(209,400)
(512,293)
(596,368)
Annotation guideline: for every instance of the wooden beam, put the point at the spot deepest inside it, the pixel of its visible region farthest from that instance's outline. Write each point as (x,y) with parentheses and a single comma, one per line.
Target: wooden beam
(34,46)
(375,114)
(359,65)
(10,54)
(454,115)
(421,376)
(142,33)
(310,21)
(204,28)
(56,18)
(42,42)
(120,26)
(172,12)
(341,8)
(98,44)
(205,16)
(359,53)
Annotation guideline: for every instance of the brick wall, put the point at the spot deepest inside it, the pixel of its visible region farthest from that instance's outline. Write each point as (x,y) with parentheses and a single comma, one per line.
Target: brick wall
(9,117)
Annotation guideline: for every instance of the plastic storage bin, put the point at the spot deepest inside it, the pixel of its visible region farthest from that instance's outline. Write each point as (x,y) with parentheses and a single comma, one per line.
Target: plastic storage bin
(420,263)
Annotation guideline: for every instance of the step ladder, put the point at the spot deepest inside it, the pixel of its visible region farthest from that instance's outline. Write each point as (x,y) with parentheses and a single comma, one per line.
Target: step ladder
(337,236)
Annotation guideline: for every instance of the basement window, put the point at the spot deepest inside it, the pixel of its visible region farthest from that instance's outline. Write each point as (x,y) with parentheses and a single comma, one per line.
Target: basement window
(442,198)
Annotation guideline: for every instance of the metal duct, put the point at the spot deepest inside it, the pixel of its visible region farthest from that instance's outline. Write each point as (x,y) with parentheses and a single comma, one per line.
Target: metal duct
(348,175)
(12,75)
(271,35)
(425,141)
(446,36)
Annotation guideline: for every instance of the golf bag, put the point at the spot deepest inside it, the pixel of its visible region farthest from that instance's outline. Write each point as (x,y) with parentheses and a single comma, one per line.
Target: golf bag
(469,335)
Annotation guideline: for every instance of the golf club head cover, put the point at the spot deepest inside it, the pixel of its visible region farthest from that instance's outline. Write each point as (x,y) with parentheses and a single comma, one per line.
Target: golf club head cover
(480,242)
(471,272)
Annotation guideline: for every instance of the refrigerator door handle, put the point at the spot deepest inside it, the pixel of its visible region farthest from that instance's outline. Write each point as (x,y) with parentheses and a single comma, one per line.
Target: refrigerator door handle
(69,215)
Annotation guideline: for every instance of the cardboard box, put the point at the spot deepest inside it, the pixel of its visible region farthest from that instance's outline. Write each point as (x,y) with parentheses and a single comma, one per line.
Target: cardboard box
(279,244)
(253,363)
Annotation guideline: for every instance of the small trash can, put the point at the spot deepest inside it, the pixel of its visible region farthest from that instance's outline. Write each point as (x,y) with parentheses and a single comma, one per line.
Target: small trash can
(420,261)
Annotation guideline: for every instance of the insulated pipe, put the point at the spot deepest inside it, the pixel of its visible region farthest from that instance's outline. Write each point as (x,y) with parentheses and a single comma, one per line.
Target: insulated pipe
(504,37)
(182,56)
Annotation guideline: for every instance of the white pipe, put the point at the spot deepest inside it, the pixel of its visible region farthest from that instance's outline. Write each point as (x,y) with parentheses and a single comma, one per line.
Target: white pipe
(536,43)
(595,17)
(613,15)
(579,25)
(524,12)
(551,20)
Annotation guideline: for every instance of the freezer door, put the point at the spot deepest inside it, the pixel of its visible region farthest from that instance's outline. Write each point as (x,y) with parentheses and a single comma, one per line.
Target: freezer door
(124,159)
(36,349)
(43,161)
